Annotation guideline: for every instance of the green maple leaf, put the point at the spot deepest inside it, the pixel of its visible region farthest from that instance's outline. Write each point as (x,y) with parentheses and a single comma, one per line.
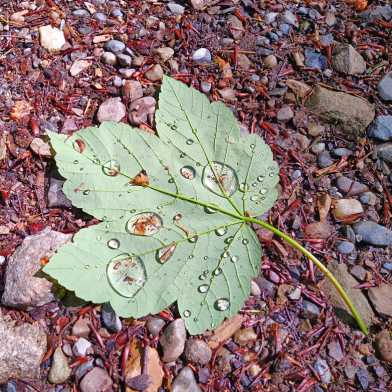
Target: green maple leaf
(175,210)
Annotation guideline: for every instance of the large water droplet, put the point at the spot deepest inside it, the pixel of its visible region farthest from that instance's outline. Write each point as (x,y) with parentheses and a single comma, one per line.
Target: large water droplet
(221,231)
(113,243)
(188,172)
(79,145)
(146,223)
(220,175)
(234,259)
(111,168)
(126,274)
(203,288)
(164,254)
(222,304)
(187,313)
(189,142)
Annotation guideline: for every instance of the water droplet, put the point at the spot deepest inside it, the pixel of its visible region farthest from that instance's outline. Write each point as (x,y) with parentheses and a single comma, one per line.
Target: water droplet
(217,271)
(193,239)
(205,257)
(244,187)
(132,211)
(99,238)
(202,277)
(220,176)
(263,191)
(189,142)
(187,313)
(245,241)
(171,180)
(188,172)
(252,146)
(113,243)
(87,266)
(111,168)
(79,145)
(190,257)
(260,178)
(86,192)
(165,253)
(210,210)
(271,174)
(221,231)
(97,161)
(225,254)
(229,240)
(126,274)
(254,184)
(75,161)
(174,126)
(222,304)
(177,217)
(182,155)
(203,288)
(255,198)
(146,223)
(234,259)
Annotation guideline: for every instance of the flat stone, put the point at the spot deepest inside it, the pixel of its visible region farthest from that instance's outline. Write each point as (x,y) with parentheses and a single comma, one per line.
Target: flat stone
(322,369)
(176,9)
(165,53)
(289,18)
(201,56)
(347,209)
(51,38)
(23,347)
(372,233)
(142,110)
(97,380)
(111,110)
(350,187)
(60,370)
(244,336)
(199,4)
(155,73)
(384,345)
(359,272)
(381,128)
(368,198)
(285,113)
(345,247)
(352,114)
(197,351)
(56,196)
(380,297)
(79,66)
(185,381)
(270,61)
(132,90)
(123,60)
(81,328)
(40,147)
(384,151)
(382,11)
(315,60)
(324,159)
(310,310)
(114,46)
(321,230)
(358,298)
(235,26)
(109,318)
(109,58)
(23,289)
(385,87)
(81,347)
(155,325)
(173,340)
(347,60)
(335,350)
(299,88)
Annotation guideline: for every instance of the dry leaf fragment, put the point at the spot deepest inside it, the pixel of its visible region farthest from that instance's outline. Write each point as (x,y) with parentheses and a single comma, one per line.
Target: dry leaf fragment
(20,109)
(141,179)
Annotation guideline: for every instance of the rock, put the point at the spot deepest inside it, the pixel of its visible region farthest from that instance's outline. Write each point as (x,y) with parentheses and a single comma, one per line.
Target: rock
(235,26)
(381,128)
(132,90)
(289,18)
(244,336)
(321,230)
(285,113)
(56,196)
(352,113)
(266,287)
(201,56)
(173,340)
(345,247)
(380,297)
(99,17)
(23,347)
(356,295)
(60,370)
(315,129)
(176,9)
(154,325)
(199,4)
(155,73)
(164,53)
(318,148)
(310,310)
(270,17)
(205,87)
(81,328)
(79,66)
(347,210)
(228,94)
(330,19)
(270,61)
(335,350)
(322,369)
(384,151)
(185,381)
(225,331)
(347,60)
(142,110)
(197,351)
(359,272)
(373,233)
(123,60)
(23,289)
(299,88)
(255,289)
(350,187)
(324,159)
(114,46)
(341,152)
(384,345)
(109,58)
(97,380)
(81,347)
(111,110)
(243,62)
(51,38)
(382,11)
(40,147)
(368,198)
(315,60)
(362,377)
(110,320)
(385,87)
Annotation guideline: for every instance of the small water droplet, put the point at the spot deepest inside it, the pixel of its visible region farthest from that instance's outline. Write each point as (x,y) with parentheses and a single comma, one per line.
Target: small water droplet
(177,217)
(189,142)
(86,192)
(87,266)
(145,223)
(97,161)
(210,210)
(188,172)
(126,274)
(271,174)
(75,161)
(171,180)
(202,277)
(205,257)
(234,259)
(225,254)
(263,191)
(254,184)
(203,288)
(187,313)
(244,187)
(229,240)
(182,155)
(245,241)
(252,146)
(174,126)
(220,176)
(222,304)
(217,271)
(255,198)
(165,253)
(221,231)
(190,257)
(113,243)
(193,239)
(132,211)
(99,238)
(111,168)
(260,178)
(79,145)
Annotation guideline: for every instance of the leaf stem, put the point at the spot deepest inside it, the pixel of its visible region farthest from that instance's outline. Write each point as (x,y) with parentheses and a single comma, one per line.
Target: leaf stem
(320,265)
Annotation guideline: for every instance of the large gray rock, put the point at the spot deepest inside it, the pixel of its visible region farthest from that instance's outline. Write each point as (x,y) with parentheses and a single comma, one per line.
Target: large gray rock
(347,60)
(185,381)
(372,233)
(356,295)
(96,380)
(22,348)
(380,297)
(23,289)
(385,87)
(173,340)
(352,114)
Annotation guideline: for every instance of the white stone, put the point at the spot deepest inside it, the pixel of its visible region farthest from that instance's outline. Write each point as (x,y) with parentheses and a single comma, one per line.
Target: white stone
(51,38)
